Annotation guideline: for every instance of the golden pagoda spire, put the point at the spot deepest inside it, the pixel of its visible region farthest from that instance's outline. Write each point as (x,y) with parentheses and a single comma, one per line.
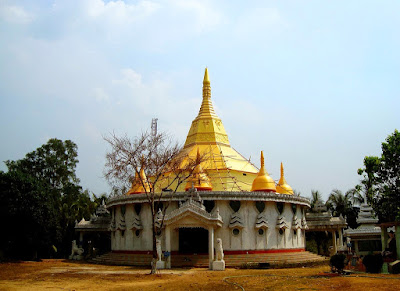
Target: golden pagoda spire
(263,182)
(206,79)
(138,182)
(283,187)
(207,128)
(199,179)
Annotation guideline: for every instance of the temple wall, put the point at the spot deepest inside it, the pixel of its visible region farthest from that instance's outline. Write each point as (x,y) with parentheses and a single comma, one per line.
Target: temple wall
(248,237)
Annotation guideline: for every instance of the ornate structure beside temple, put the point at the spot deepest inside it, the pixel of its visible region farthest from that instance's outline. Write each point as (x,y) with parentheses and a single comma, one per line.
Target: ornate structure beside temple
(367,237)
(227,200)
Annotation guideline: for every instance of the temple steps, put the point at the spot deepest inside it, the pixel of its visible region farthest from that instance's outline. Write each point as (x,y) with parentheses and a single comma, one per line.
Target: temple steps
(190,260)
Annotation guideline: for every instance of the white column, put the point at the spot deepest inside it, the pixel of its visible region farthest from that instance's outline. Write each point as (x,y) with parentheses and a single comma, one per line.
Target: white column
(334,241)
(168,245)
(210,246)
(340,237)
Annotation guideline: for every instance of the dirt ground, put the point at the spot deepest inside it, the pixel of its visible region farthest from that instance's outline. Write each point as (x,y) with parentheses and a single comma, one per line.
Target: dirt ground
(67,275)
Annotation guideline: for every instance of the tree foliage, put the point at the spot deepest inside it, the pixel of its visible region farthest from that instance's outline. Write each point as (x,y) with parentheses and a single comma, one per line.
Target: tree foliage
(381,180)
(41,200)
(342,204)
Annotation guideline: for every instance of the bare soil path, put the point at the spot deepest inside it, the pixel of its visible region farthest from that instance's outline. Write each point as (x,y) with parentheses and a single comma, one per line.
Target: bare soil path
(67,275)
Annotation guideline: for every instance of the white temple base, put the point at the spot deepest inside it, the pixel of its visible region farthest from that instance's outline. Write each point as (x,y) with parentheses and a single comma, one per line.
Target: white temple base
(218,265)
(160,265)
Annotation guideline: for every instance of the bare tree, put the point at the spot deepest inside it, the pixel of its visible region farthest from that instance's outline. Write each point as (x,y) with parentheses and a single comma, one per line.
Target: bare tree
(165,165)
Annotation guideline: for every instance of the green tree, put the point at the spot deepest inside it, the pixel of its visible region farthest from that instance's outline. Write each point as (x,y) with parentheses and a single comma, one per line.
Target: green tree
(341,204)
(381,180)
(41,199)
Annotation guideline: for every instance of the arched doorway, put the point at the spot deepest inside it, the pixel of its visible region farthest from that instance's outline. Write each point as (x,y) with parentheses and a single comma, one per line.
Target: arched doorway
(193,240)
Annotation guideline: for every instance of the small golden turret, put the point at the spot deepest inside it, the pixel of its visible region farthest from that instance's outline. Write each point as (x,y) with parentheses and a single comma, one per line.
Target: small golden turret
(199,179)
(138,182)
(263,182)
(283,187)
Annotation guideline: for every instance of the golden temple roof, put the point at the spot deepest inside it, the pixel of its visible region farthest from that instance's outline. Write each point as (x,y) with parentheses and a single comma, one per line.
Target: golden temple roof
(137,184)
(263,182)
(282,187)
(199,179)
(227,169)
(207,127)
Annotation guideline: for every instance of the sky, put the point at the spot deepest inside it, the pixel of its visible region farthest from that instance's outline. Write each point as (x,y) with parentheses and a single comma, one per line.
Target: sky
(314,84)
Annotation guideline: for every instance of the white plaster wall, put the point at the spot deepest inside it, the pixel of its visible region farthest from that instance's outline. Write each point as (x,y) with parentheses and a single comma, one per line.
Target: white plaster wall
(248,239)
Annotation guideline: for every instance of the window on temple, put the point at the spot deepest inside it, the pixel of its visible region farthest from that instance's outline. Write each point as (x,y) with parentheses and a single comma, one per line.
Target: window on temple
(280,206)
(294,208)
(137,232)
(138,208)
(260,231)
(236,231)
(123,210)
(235,205)
(159,206)
(260,205)
(209,205)
(281,231)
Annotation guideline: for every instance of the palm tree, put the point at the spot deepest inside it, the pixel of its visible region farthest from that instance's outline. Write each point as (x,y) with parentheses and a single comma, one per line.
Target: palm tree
(342,204)
(355,197)
(338,203)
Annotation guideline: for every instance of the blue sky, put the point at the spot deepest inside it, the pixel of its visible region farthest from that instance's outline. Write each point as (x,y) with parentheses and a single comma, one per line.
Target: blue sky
(315,84)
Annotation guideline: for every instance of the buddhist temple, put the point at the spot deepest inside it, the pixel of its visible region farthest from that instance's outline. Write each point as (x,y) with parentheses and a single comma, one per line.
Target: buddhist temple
(226,201)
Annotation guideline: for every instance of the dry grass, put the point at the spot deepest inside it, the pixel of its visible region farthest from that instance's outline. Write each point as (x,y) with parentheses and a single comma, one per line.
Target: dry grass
(66,275)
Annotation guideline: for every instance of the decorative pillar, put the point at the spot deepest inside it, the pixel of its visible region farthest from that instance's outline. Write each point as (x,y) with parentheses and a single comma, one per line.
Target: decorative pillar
(397,236)
(384,237)
(210,246)
(168,245)
(81,238)
(334,241)
(340,237)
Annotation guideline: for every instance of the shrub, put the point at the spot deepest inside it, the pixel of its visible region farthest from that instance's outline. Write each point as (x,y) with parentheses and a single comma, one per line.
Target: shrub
(337,263)
(373,263)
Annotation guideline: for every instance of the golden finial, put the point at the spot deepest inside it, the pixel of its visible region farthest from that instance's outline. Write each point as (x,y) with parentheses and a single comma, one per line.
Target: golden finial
(206,79)
(283,187)
(262,162)
(140,184)
(199,179)
(263,182)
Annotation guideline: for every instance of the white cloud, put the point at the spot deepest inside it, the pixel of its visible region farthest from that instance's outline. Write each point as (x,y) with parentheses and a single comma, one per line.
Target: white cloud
(205,16)
(15,14)
(119,12)
(130,78)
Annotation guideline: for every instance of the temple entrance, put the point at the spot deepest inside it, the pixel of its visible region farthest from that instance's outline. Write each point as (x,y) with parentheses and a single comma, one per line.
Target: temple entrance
(193,240)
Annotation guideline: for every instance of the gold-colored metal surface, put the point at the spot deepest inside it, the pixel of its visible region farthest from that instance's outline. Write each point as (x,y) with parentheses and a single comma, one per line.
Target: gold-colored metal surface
(137,185)
(282,187)
(206,127)
(227,169)
(199,180)
(263,182)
